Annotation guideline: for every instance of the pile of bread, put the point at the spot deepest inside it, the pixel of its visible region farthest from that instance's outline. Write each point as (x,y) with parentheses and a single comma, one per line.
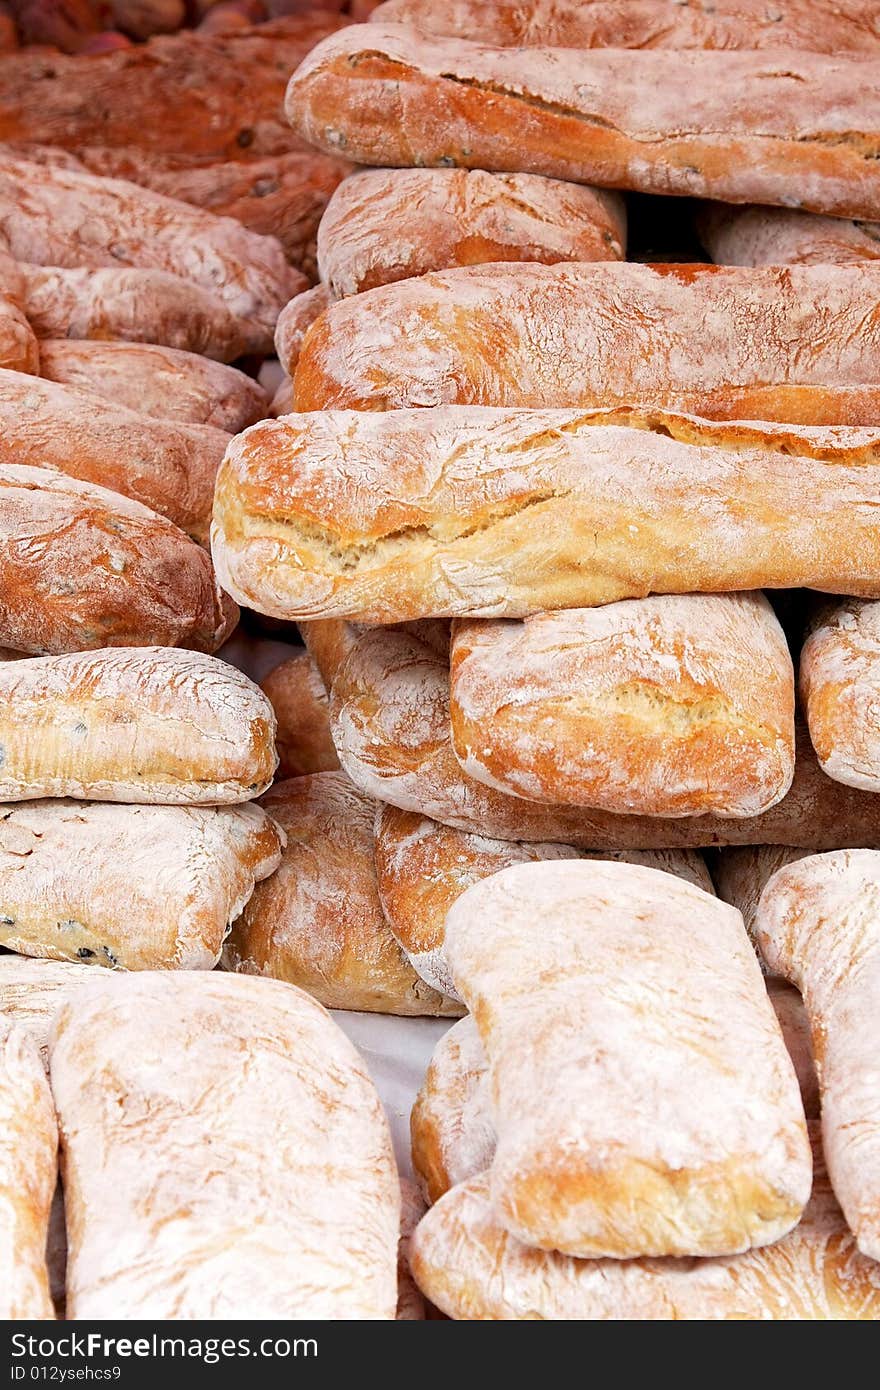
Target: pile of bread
(583,744)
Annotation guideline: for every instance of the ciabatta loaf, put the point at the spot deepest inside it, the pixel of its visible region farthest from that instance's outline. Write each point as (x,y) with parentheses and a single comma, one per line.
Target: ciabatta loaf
(28,1173)
(318,922)
(739,127)
(85,567)
(724,342)
(839,676)
(133,887)
(817,925)
(133,724)
(642,1095)
(273,1102)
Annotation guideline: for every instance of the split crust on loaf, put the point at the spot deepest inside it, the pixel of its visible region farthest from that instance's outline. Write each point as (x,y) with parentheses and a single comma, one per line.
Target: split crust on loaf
(28,1174)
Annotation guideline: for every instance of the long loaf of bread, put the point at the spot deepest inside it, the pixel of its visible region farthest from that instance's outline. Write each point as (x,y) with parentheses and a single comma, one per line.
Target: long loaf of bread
(390,516)
(724,342)
(739,127)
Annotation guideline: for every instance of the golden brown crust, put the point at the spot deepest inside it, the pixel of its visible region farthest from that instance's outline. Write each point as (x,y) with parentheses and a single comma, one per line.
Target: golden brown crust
(28,1173)
(738,127)
(328,642)
(318,922)
(302,710)
(727,342)
(120,575)
(385,517)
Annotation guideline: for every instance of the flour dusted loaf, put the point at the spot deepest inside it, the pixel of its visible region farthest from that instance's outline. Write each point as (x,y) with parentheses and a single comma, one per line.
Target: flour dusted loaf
(724,342)
(422,867)
(318,922)
(383,225)
(739,127)
(839,679)
(725,24)
(388,517)
(741,873)
(302,713)
(273,1102)
(85,567)
(817,925)
(155,380)
(133,887)
(28,1173)
(783,236)
(133,724)
(683,1132)
(389,716)
(166,465)
(674,705)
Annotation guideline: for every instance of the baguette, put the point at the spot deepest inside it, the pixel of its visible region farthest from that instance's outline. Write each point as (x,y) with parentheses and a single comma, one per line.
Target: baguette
(724,342)
(389,716)
(159,381)
(670,706)
(839,674)
(389,517)
(383,225)
(738,127)
(28,1173)
(302,713)
(120,575)
(783,236)
(643,1099)
(167,466)
(729,24)
(318,922)
(78,883)
(817,925)
(134,724)
(273,1102)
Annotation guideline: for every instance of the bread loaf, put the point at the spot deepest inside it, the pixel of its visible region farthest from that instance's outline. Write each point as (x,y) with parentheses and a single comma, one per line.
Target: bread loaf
(817,925)
(839,673)
(741,873)
(729,24)
(683,1132)
(387,517)
(318,922)
(675,705)
(725,342)
(302,714)
(130,887)
(389,716)
(168,466)
(383,225)
(422,867)
(133,724)
(28,1171)
(85,567)
(157,1155)
(294,322)
(739,127)
(783,236)
(159,381)
(60,217)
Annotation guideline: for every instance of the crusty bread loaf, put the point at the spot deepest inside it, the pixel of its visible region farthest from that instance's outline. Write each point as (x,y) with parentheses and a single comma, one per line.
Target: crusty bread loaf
(216,95)
(741,873)
(383,225)
(422,867)
(155,380)
(739,127)
(812,25)
(168,466)
(817,925)
(318,922)
(673,705)
(683,1133)
(755,236)
(839,674)
(84,567)
(157,1156)
(726,342)
(133,724)
(31,989)
(294,322)
(302,714)
(60,217)
(28,1172)
(386,517)
(389,716)
(133,887)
